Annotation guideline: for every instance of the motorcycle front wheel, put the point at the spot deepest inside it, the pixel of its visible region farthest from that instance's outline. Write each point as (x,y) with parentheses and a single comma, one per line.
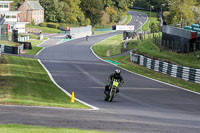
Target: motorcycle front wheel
(111,96)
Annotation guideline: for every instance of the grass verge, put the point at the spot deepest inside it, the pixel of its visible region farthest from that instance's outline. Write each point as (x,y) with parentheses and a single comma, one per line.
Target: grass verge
(11,128)
(9,43)
(25,82)
(189,60)
(101,48)
(128,18)
(102,32)
(35,49)
(111,46)
(44,29)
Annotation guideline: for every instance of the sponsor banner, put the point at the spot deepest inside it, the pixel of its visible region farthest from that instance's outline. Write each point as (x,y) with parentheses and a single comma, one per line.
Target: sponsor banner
(125,27)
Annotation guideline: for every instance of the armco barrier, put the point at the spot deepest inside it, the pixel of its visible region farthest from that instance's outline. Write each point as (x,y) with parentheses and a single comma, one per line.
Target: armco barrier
(186,73)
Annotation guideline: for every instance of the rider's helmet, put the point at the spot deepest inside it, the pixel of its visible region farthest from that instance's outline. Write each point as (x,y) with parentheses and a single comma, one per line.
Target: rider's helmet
(117,72)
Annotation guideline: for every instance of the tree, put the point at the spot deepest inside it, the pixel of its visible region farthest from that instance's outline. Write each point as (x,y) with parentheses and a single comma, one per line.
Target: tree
(93,9)
(73,12)
(51,10)
(147,3)
(116,8)
(180,10)
(154,27)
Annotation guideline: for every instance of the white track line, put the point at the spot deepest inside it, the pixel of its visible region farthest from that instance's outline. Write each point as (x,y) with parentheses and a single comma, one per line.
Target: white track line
(67,93)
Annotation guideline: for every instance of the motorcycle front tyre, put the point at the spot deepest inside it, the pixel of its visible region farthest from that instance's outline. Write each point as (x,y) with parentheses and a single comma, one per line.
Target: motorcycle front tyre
(111,97)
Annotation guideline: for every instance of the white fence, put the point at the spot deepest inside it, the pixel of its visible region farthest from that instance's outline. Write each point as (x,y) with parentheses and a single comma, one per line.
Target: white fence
(77,32)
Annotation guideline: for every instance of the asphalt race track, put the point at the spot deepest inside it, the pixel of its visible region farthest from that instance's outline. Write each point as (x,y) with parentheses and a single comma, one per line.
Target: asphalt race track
(142,105)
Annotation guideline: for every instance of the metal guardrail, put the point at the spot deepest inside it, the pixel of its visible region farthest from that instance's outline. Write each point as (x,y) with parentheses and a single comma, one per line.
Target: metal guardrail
(186,73)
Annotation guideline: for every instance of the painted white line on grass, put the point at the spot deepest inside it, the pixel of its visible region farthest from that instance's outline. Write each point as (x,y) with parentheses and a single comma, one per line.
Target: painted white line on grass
(67,93)
(143,75)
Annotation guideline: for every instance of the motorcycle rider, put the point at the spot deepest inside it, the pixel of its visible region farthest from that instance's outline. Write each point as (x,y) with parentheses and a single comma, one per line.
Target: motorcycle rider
(111,78)
(87,38)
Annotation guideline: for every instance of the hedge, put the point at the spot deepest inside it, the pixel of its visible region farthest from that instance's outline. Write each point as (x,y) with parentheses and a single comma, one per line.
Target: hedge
(53,25)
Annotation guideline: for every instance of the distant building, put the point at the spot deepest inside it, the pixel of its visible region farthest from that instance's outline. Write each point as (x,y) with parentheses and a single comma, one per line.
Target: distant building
(5,5)
(31,10)
(12,19)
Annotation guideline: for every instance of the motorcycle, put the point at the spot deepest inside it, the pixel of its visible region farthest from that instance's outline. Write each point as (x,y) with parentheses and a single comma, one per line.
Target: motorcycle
(112,91)
(87,38)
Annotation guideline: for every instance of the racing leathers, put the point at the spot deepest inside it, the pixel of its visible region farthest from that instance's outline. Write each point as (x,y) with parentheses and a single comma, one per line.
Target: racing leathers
(111,78)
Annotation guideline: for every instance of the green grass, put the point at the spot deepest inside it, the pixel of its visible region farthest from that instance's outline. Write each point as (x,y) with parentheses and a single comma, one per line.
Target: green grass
(9,43)
(32,36)
(101,32)
(153,14)
(127,64)
(153,18)
(111,46)
(25,82)
(11,128)
(103,26)
(144,47)
(128,18)
(35,49)
(45,29)
(180,59)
